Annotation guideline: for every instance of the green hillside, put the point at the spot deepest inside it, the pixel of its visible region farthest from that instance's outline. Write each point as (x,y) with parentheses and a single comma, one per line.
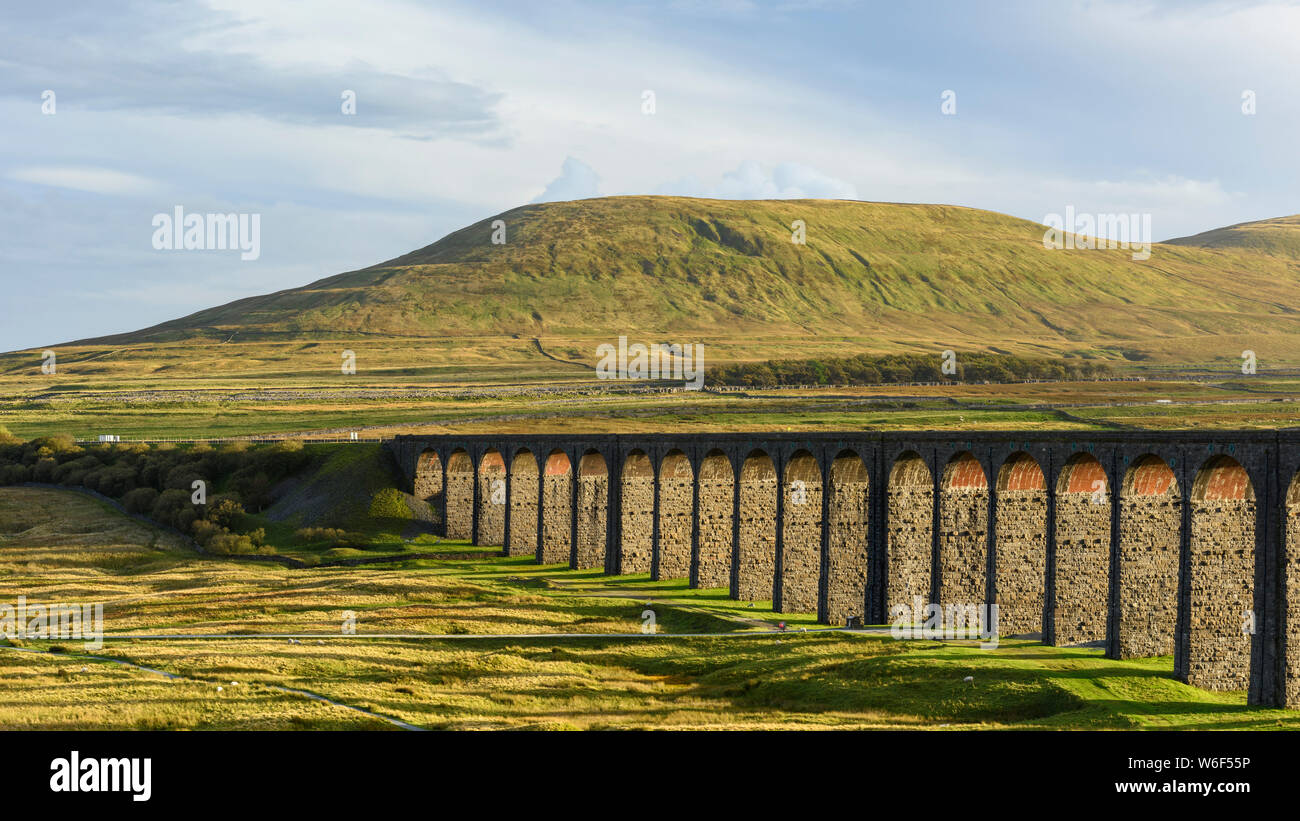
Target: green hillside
(658,264)
(872,277)
(1276,237)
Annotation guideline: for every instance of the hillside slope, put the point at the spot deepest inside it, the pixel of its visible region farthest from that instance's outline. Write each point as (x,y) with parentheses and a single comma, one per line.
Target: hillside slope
(871,277)
(657,264)
(1276,237)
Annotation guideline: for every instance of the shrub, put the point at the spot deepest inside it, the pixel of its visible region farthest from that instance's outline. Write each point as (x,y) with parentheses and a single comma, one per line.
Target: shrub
(168,507)
(14,474)
(183,476)
(320,534)
(116,481)
(75,478)
(140,500)
(56,444)
(44,470)
(186,517)
(254,490)
(231,543)
(336,537)
(895,373)
(204,530)
(389,503)
(225,512)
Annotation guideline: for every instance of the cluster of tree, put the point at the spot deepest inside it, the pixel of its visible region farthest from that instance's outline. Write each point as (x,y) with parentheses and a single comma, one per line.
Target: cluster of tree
(866,369)
(201,490)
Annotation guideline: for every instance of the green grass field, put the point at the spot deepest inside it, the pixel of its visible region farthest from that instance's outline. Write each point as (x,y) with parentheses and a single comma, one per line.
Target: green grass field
(1255,402)
(58,546)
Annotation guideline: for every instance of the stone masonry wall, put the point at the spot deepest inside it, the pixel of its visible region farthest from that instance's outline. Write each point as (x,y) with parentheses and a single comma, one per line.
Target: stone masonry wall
(460,497)
(428,483)
(555,514)
(1222,592)
(675,518)
(1291,629)
(523,507)
(757,548)
(491,501)
(963,545)
(1021,561)
(716,489)
(801,538)
(911,525)
(1082,567)
(952,565)
(846,583)
(593,507)
(1148,574)
(637,517)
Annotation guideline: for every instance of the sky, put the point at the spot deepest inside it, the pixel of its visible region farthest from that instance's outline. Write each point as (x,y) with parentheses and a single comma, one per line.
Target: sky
(1187,111)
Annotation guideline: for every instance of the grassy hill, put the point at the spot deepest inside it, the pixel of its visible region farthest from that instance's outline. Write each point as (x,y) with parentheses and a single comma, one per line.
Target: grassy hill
(1278,237)
(876,277)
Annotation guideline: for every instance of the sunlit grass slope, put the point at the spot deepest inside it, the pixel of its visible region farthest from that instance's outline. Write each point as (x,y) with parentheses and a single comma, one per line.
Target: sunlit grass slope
(881,277)
(60,547)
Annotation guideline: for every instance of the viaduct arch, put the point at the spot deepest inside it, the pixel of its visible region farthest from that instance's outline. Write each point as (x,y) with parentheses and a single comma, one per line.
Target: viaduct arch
(1163,543)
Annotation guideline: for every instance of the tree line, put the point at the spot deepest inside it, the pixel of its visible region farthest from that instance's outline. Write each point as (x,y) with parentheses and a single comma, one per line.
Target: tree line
(885,369)
(202,491)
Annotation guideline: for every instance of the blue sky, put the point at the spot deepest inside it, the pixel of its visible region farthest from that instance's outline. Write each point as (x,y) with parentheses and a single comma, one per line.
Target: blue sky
(465,110)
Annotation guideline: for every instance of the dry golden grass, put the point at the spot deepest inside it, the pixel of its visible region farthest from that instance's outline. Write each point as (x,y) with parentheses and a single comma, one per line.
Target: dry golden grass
(57,545)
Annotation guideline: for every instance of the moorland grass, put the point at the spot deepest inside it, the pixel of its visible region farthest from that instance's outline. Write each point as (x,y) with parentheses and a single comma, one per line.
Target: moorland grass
(56,546)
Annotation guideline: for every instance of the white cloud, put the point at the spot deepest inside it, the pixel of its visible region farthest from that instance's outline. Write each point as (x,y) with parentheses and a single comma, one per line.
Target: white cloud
(577,181)
(750,181)
(710,115)
(1179,206)
(510,94)
(94,180)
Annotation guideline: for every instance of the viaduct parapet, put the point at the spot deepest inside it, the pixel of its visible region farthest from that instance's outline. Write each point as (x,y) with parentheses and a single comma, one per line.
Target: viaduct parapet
(1155,543)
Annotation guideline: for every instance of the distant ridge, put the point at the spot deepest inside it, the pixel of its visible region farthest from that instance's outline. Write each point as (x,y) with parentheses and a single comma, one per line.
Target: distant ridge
(664,263)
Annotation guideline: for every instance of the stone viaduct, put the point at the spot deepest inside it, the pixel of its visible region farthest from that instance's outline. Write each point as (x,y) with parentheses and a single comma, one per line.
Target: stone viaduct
(1155,543)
